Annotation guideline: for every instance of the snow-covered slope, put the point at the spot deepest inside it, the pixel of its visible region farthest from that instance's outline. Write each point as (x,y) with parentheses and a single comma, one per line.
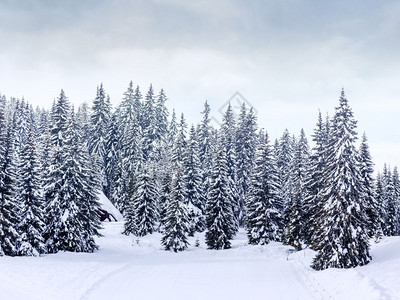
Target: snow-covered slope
(126,268)
(108,206)
(380,279)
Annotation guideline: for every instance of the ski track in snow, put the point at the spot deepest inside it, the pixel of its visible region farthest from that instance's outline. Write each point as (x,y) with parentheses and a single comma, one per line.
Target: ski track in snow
(201,274)
(123,269)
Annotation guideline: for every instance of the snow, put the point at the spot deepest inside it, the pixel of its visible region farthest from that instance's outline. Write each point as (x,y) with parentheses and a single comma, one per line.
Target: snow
(127,268)
(108,206)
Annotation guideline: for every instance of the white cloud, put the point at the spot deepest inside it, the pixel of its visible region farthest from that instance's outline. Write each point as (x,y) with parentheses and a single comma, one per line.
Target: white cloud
(288,59)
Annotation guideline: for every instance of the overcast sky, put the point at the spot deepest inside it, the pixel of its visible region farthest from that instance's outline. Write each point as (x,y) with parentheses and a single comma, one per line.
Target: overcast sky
(287,58)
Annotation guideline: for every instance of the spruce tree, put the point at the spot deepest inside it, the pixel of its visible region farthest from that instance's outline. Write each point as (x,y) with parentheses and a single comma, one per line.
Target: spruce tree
(245,150)
(296,222)
(142,214)
(70,191)
(84,184)
(390,202)
(176,219)
(148,125)
(9,235)
(219,206)
(315,183)
(284,156)
(205,146)
(113,154)
(192,180)
(228,139)
(99,120)
(263,216)
(161,117)
(29,195)
(180,143)
(380,209)
(54,183)
(370,202)
(343,238)
(396,185)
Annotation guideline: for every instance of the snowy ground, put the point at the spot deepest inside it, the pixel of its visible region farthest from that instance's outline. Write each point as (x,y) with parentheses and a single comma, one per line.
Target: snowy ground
(123,269)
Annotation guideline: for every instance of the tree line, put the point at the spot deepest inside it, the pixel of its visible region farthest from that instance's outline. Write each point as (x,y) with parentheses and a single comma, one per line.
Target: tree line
(167,176)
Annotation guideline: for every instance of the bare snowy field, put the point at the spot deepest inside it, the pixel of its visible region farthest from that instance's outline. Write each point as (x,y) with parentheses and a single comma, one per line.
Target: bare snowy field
(123,269)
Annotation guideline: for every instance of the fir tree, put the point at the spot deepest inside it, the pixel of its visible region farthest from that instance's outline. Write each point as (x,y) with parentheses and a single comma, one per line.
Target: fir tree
(84,182)
(263,216)
(70,195)
(380,209)
(205,146)
(284,156)
(176,220)
(366,170)
(148,124)
(161,117)
(396,185)
(99,121)
(296,222)
(390,202)
(343,241)
(9,235)
(142,214)
(113,149)
(180,144)
(245,150)
(83,119)
(219,206)
(29,193)
(315,182)
(228,138)
(192,179)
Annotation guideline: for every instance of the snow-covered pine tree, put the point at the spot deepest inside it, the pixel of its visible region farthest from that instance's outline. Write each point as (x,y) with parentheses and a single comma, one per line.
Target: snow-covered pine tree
(161,117)
(219,212)
(21,119)
(206,146)
(370,202)
(83,119)
(8,205)
(379,195)
(128,118)
(294,234)
(165,193)
(343,237)
(263,216)
(30,198)
(315,183)
(284,156)
(99,120)
(396,185)
(69,194)
(228,138)
(85,183)
(142,213)
(54,181)
(245,150)
(389,200)
(148,125)
(172,130)
(192,180)
(127,108)
(44,144)
(176,219)
(129,162)
(167,166)
(113,149)
(180,144)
